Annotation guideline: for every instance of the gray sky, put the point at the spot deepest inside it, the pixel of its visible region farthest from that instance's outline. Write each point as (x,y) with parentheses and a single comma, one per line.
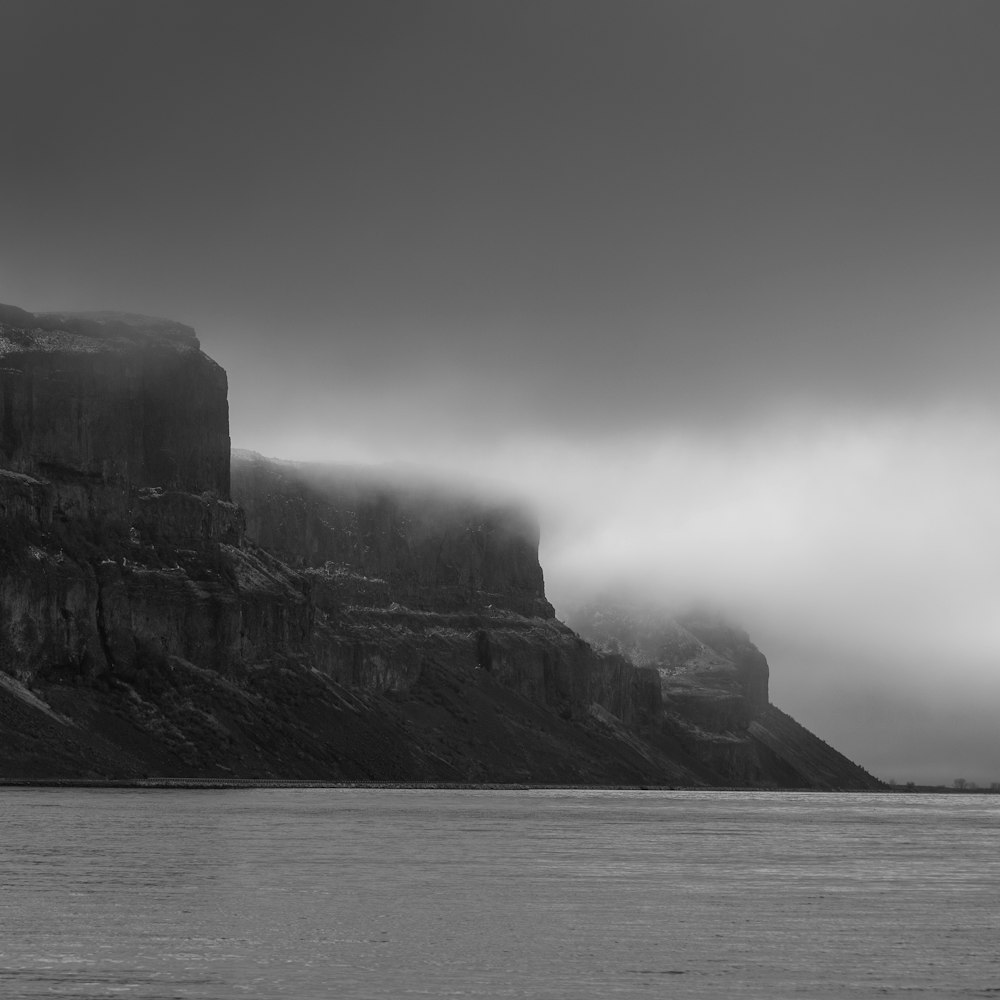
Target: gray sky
(714,284)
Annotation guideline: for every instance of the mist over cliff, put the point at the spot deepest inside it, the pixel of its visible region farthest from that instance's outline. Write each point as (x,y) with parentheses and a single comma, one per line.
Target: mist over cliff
(712,285)
(168,608)
(861,553)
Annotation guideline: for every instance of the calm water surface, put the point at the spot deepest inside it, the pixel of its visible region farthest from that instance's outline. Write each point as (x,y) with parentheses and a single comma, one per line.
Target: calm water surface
(399,893)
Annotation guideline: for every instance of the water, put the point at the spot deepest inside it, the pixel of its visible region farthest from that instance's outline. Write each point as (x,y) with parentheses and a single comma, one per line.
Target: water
(401,893)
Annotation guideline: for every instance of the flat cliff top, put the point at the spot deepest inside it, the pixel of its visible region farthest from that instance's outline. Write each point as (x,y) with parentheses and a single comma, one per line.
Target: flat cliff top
(87,332)
(406,485)
(417,541)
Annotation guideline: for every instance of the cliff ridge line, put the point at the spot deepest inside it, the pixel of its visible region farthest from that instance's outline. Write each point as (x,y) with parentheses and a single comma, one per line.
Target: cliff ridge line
(325,622)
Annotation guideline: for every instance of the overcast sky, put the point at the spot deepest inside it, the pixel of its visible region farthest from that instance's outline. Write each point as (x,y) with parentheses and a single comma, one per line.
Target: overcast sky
(714,284)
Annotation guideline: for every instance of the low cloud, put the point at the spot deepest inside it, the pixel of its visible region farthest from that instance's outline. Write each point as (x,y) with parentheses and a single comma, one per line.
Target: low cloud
(884,528)
(863,554)
(861,551)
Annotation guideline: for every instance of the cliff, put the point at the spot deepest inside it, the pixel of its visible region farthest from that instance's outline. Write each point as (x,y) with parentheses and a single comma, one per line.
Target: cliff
(392,537)
(375,631)
(714,685)
(119,542)
(168,609)
(410,580)
(112,400)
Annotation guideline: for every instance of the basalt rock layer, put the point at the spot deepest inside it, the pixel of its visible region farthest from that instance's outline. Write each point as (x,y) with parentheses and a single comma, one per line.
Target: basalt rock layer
(111,400)
(166,609)
(390,537)
(714,685)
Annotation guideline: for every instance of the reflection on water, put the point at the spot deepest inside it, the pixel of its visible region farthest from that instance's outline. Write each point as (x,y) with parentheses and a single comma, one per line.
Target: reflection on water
(404,893)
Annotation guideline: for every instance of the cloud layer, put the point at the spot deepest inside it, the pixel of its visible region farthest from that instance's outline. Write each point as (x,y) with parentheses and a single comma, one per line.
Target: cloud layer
(862,551)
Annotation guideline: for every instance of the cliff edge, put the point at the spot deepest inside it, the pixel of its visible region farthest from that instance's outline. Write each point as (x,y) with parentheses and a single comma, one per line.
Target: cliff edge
(392,536)
(108,399)
(170,609)
(714,686)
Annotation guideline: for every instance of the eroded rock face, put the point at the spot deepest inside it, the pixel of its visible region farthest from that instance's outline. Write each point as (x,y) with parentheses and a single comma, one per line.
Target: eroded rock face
(330,623)
(714,682)
(111,401)
(115,445)
(702,660)
(355,627)
(381,539)
(404,574)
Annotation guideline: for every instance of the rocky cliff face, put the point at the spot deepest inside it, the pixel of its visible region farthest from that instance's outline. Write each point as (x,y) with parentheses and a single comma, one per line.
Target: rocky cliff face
(708,669)
(323,623)
(401,574)
(361,628)
(714,684)
(119,542)
(111,400)
(387,538)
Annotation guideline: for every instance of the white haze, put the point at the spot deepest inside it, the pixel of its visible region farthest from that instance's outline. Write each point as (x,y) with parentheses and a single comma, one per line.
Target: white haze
(862,553)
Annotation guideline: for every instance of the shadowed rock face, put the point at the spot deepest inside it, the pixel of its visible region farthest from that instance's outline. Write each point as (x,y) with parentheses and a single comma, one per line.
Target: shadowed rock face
(332,623)
(714,683)
(704,662)
(111,400)
(114,447)
(361,628)
(384,539)
(404,574)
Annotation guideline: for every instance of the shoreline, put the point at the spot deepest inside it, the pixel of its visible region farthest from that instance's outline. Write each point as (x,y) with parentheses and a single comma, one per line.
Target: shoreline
(237,784)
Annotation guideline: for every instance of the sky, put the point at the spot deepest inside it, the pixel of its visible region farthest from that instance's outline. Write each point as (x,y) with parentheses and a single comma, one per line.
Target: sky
(713,285)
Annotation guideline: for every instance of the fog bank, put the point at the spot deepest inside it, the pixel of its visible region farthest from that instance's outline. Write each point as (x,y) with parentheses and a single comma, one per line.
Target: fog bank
(861,551)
